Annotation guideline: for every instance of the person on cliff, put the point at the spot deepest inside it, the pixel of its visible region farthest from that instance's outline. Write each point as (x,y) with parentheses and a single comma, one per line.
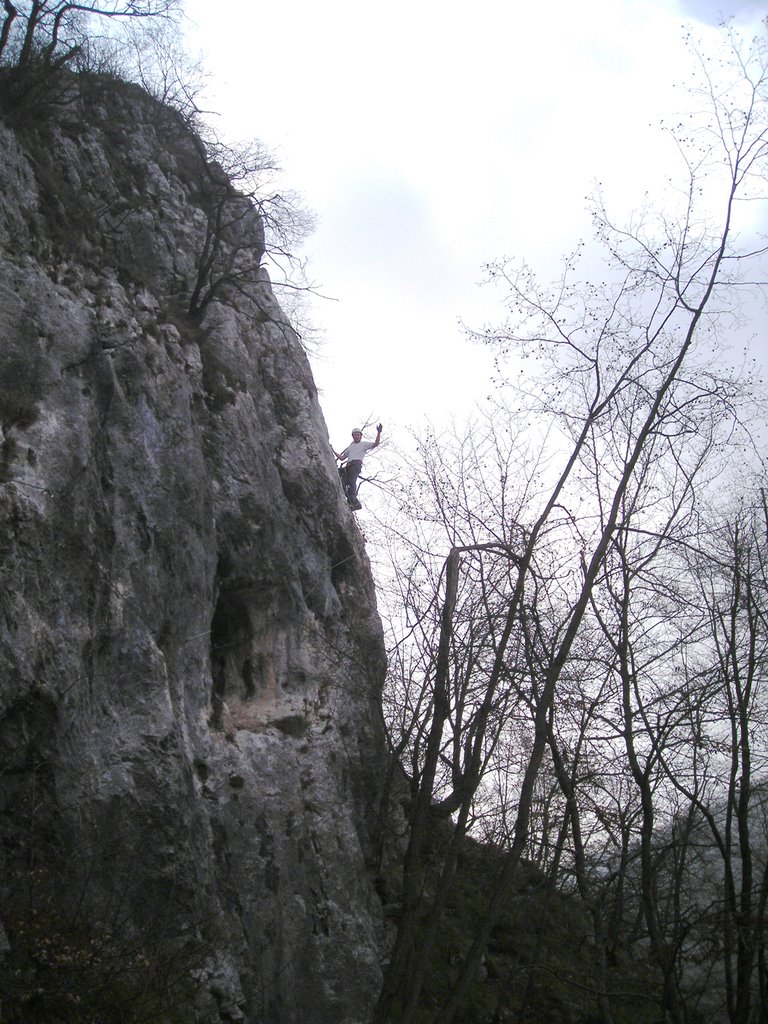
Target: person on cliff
(352,459)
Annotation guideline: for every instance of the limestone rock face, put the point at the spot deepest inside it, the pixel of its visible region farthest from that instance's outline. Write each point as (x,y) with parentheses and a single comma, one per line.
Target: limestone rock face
(191,659)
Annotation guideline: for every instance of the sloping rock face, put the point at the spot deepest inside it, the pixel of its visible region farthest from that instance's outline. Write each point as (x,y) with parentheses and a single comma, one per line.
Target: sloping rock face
(191,659)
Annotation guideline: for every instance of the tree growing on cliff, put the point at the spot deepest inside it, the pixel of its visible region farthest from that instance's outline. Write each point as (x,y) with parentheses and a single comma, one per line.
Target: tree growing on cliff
(559,622)
(51,33)
(42,40)
(251,224)
(239,180)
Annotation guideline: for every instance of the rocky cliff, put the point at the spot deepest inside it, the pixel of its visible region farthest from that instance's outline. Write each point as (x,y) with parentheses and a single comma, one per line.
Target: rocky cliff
(190,653)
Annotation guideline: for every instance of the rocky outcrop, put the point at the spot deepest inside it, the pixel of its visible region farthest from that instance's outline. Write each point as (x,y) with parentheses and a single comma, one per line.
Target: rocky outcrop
(190,654)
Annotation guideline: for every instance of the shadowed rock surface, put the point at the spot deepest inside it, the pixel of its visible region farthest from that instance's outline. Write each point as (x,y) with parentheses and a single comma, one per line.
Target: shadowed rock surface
(191,659)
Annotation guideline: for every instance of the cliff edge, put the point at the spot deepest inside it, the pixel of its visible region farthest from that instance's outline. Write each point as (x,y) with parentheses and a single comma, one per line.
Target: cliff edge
(191,660)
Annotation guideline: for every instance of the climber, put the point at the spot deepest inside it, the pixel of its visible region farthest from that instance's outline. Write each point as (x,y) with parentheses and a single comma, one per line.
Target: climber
(352,457)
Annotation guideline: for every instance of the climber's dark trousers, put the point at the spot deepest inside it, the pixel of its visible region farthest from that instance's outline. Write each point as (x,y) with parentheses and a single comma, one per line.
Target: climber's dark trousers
(349,475)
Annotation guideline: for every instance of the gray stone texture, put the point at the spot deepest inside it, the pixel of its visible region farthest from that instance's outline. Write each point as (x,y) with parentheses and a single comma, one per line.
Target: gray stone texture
(191,747)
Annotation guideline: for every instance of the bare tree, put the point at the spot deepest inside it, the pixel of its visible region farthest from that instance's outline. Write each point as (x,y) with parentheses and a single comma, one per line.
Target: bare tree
(254,229)
(152,54)
(633,391)
(51,32)
(42,42)
(721,770)
(239,186)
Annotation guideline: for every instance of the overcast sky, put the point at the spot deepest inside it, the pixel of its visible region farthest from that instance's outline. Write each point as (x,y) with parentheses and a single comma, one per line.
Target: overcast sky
(431,137)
